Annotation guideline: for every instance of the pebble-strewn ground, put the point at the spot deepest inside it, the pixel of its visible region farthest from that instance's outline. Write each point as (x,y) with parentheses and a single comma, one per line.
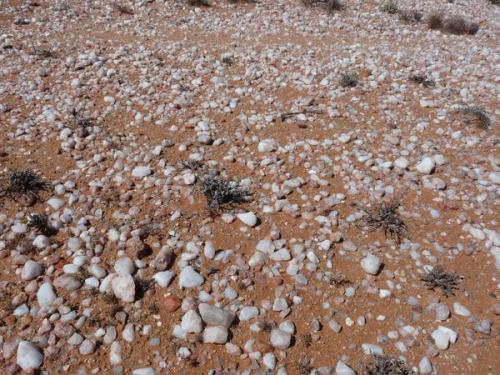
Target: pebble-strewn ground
(248,188)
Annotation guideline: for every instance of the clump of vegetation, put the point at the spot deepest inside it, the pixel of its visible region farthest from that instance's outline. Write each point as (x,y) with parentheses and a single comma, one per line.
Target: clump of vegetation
(389,7)
(82,122)
(423,80)
(40,223)
(25,183)
(349,80)
(384,365)
(458,25)
(198,3)
(438,278)
(123,9)
(410,15)
(337,280)
(495,2)
(307,340)
(331,5)
(454,25)
(193,165)
(221,193)
(385,216)
(304,366)
(435,21)
(44,53)
(479,115)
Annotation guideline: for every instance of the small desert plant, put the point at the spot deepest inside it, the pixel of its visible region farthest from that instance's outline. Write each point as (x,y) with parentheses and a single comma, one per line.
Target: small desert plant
(25,183)
(81,122)
(435,21)
(383,365)
(304,366)
(331,5)
(445,281)
(385,216)
(454,25)
(423,80)
(220,193)
(307,339)
(389,7)
(193,165)
(482,118)
(410,15)
(198,3)
(122,9)
(44,53)
(349,80)
(40,223)
(458,25)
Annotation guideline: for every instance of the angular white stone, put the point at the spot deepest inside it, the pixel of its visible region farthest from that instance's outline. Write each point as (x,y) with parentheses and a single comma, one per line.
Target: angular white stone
(443,336)
(425,366)
(248,218)
(280,339)
(46,295)
(248,312)
(371,264)
(215,335)
(460,309)
(189,278)
(426,165)
(41,241)
(343,369)
(164,278)
(141,171)
(124,266)
(124,287)
(191,322)
(144,371)
(31,270)
(215,316)
(371,349)
(28,356)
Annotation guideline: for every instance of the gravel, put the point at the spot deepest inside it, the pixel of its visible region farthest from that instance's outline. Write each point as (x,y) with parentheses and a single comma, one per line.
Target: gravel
(119,253)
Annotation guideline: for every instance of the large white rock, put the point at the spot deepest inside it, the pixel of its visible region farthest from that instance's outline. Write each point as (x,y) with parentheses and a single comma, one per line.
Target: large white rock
(248,312)
(31,270)
(144,371)
(28,356)
(426,165)
(269,360)
(215,316)
(280,339)
(248,218)
(372,349)
(191,322)
(371,264)
(115,353)
(443,336)
(46,295)
(124,266)
(164,278)
(41,241)
(141,171)
(189,278)
(343,369)
(425,366)
(266,145)
(124,287)
(460,309)
(215,335)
